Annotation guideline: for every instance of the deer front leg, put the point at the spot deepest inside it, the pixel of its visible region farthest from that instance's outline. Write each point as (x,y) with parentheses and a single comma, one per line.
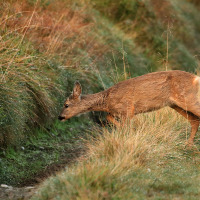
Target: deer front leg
(129,114)
(111,119)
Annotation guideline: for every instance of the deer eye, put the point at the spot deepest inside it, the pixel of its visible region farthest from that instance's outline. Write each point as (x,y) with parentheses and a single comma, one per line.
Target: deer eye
(66,105)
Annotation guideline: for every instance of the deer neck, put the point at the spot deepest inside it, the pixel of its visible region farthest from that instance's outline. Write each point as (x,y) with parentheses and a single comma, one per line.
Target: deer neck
(94,102)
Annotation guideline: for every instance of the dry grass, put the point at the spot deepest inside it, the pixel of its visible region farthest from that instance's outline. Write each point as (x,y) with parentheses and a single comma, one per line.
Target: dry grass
(26,80)
(140,140)
(115,154)
(48,29)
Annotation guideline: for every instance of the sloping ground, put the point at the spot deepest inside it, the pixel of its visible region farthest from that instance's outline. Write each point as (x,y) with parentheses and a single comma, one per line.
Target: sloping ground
(46,45)
(44,49)
(146,159)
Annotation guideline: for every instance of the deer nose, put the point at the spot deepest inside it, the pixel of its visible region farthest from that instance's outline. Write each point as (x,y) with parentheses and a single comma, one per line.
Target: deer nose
(60,117)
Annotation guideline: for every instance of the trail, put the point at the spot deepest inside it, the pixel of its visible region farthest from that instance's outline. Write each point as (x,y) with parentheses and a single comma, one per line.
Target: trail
(14,193)
(28,187)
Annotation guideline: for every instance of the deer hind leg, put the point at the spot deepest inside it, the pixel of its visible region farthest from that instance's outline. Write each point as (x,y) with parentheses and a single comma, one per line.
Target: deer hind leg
(193,119)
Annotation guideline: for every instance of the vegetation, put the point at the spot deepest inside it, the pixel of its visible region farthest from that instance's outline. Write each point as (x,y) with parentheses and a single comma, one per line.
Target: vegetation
(43,51)
(144,160)
(45,45)
(49,151)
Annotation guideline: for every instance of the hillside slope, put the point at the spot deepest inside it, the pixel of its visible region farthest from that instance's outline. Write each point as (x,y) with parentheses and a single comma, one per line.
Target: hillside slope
(45,45)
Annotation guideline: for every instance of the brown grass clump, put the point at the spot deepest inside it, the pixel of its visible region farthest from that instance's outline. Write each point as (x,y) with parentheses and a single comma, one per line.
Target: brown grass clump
(140,140)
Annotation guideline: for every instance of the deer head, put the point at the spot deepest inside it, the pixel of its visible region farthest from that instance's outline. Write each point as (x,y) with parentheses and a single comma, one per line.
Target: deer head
(72,104)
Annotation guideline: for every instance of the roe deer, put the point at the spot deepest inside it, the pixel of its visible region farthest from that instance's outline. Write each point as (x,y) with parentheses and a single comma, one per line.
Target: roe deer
(177,89)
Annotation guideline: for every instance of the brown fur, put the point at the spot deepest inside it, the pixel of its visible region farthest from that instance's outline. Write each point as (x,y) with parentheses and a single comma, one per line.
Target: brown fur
(176,89)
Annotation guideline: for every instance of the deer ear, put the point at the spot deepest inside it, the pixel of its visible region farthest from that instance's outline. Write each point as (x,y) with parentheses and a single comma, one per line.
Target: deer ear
(77,90)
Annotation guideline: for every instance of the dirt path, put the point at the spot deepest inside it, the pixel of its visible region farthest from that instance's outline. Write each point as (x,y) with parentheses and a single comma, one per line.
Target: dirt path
(14,193)
(28,187)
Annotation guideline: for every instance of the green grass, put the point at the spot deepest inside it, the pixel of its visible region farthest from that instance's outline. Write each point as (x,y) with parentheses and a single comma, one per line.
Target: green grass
(53,146)
(170,179)
(27,87)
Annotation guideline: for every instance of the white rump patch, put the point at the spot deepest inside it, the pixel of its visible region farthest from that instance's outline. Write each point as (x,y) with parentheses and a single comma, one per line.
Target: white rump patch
(197,78)
(197,83)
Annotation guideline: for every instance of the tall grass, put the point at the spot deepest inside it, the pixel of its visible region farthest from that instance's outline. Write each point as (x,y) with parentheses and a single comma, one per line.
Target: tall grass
(44,48)
(143,138)
(116,155)
(26,82)
(34,44)
(43,43)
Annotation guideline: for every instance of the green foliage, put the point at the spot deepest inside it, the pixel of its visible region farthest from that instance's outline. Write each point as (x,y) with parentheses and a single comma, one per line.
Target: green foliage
(127,38)
(117,10)
(43,3)
(184,59)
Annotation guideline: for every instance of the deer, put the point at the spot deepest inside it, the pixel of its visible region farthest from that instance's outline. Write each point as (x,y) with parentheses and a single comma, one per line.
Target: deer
(176,89)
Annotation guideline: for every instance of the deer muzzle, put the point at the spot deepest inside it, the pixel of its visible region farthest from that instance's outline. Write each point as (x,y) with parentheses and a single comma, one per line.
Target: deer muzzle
(61,118)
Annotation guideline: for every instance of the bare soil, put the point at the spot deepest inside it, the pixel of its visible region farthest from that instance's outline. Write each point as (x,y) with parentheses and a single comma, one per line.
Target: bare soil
(28,187)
